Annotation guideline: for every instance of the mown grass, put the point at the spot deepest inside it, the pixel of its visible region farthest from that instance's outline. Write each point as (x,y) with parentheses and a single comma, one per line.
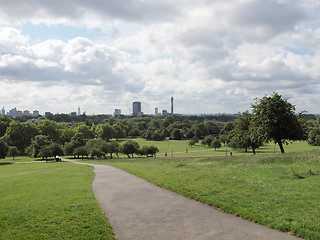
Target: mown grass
(261,188)
(50,201)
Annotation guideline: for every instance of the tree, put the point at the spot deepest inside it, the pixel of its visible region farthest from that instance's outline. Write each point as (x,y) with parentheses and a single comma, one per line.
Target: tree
(276,120)
(207,140)
(37,143)
(3,149)
(105,131)
(81,151)
(246,133)
(50,129)
(114,147)
(130,147)
(216,143)
(312,136)
(13,151)
(176,134)
(16,136)
(4,124)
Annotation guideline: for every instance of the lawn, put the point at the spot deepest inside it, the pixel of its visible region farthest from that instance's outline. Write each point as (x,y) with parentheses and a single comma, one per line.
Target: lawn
(265,188)
(50,201)
(182,149)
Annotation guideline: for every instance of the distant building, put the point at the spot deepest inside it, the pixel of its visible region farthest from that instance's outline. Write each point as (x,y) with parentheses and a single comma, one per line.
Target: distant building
(19,113)
(3,112)
(164,113)
(34,120)
(13,112)
(73,114)
(136,109)
(35,113)
(46,114)
(117,112)
(26,113)
(79,111)
(171,105)
(156,111)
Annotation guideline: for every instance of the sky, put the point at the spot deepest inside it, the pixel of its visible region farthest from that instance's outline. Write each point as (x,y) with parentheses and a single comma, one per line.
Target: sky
(212,56)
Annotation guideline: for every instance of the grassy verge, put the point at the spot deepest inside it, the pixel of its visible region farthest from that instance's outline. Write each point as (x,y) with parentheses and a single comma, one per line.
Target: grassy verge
(50,201)
(264,188)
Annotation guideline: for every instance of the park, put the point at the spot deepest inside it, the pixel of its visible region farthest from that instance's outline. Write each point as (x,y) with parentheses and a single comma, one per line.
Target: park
(268,179)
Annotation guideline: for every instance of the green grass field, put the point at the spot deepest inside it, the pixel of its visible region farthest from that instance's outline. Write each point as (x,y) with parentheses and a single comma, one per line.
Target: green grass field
(50,201)
(263,188)
(178,148)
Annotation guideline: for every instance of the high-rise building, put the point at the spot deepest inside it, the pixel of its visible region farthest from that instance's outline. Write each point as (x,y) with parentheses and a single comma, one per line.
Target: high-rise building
(136,109)
(156,111)
(26,113)
(79,111)
(35,113)
(3,112)
(171,105)
(117,112)
(19,113)
(13,112)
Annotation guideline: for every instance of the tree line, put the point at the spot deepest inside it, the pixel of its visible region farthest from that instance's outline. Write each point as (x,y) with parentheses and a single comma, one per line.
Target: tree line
(272,119)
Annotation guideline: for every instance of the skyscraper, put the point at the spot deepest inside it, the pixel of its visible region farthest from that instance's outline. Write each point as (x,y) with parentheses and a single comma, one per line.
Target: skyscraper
(136,109)
(171,105)
(79,111)
(3,112)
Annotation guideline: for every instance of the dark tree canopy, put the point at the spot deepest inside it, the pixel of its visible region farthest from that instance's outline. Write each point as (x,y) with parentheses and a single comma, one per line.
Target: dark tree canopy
(276,119)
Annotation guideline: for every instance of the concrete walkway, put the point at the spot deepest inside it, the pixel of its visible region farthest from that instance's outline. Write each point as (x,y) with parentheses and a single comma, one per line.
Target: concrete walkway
(139,210)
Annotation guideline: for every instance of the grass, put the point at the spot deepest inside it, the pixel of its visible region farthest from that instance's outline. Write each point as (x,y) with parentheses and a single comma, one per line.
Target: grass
(50,201)
(261,188)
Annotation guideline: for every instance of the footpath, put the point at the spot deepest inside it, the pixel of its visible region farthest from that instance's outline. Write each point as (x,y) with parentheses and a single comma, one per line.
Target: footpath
(139,210)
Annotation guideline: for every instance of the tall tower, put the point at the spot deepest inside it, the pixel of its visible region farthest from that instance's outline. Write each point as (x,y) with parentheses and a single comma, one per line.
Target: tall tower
(78,110)
(136,109)
(171,105)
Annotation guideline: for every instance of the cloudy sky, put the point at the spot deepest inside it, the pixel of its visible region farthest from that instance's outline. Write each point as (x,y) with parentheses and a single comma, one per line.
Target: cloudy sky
(210,55)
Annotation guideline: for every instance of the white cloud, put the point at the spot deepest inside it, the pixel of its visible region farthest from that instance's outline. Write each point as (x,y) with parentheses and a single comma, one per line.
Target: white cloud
(211,56)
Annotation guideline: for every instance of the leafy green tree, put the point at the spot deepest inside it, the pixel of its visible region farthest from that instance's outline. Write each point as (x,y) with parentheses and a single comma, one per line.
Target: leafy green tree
(118,131)
(207,140)
(4,124)
(276,119)
(56,150)
(312,136)
(134,132)
(66,135)
(85,130)
(13,152)
(130,147)
(200,130)
(3,149)
(216,143)
(176,134)
(37,143)
(104,131)
(17,136)
(114,147)
(81,151)
(45,152)
(96,152)
(152,150)
(49,128)
(246,133)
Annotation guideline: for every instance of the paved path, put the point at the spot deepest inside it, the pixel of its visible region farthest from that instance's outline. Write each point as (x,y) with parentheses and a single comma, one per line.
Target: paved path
(139,210)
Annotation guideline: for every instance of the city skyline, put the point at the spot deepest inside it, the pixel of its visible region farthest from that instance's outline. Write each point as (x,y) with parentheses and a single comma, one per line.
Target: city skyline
(211,56)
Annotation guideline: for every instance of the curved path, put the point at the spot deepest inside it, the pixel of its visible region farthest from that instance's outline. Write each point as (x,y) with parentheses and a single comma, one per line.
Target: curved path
(139,210)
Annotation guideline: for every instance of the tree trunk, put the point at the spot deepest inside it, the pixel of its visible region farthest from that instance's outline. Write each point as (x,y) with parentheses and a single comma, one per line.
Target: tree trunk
(253,150)
(280,146)
(111,155)
(246,149)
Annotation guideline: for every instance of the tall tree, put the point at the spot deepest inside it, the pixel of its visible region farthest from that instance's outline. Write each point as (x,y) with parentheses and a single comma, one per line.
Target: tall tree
(276,119)
(3,149)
